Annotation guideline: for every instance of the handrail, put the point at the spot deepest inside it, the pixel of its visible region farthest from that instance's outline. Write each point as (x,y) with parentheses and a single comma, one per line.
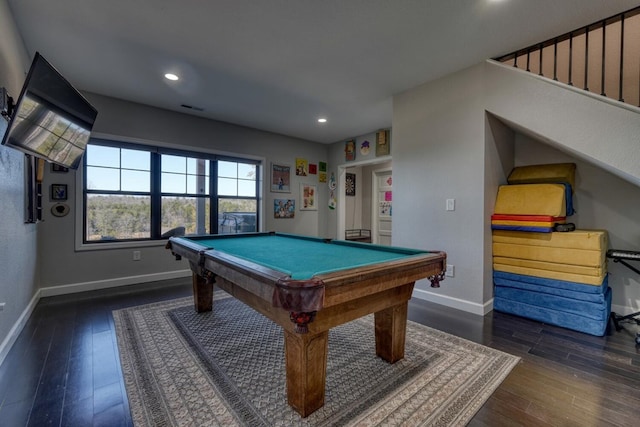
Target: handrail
(569,61)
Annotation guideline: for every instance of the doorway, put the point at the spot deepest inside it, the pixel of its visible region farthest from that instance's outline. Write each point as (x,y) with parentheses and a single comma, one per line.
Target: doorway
(359,196)
(381,208)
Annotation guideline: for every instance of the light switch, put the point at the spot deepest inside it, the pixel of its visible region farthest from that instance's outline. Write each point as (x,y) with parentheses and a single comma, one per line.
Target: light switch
(451,204)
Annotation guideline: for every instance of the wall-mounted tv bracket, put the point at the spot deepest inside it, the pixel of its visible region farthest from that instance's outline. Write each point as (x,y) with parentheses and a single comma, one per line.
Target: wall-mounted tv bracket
(6,104)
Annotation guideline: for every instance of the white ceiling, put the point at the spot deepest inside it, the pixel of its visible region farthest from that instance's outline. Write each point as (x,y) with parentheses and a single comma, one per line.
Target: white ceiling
(278,65)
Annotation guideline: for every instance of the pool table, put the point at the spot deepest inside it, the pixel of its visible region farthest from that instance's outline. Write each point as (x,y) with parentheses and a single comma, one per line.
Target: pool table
(308,285)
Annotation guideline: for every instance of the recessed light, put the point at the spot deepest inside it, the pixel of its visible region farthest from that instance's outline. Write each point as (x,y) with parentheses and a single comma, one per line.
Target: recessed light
(322,120)
(171,76)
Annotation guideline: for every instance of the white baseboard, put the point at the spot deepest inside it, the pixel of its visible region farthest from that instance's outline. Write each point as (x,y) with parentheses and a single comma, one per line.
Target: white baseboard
(11,338)
(111,283)
(15,330)
(459,304)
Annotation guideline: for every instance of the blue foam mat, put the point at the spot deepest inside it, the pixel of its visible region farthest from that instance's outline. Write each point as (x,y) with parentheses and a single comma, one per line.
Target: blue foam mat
(574,295)
(556,317)
(502,278)
(590,309)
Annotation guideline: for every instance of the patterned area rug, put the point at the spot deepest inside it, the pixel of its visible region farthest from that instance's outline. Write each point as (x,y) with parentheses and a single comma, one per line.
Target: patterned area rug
(226,367)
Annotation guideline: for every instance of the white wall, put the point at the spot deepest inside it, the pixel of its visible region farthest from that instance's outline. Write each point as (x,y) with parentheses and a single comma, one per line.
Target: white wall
(18,253)
(62,265)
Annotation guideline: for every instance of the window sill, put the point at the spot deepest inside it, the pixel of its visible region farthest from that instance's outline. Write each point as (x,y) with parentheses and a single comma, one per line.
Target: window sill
(82,247)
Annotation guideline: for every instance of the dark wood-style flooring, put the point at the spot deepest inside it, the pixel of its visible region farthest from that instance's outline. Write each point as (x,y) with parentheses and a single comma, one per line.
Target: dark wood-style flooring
(64,370)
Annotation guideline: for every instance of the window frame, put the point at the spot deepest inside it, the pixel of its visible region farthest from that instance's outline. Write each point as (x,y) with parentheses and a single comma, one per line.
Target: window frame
(155,192)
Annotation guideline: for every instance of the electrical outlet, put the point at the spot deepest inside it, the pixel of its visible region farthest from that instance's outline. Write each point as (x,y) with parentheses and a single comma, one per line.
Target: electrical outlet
(2,306)
(450,270)
(136,256)
(451,204)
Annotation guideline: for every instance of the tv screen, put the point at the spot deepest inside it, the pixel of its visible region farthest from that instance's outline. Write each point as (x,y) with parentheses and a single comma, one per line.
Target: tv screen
(51,120)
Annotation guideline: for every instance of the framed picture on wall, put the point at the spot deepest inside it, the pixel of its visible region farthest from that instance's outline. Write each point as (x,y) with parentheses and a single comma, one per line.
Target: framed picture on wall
(350,150)
(280,178)
(302,166)
(383,144)
(284,208)
(308,201)
(58,191)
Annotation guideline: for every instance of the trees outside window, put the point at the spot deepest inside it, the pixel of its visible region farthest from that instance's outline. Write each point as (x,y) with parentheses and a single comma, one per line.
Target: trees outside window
(134,192)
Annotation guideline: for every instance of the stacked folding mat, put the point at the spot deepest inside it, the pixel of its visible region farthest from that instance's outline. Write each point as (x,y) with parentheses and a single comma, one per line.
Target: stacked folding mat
(554,277)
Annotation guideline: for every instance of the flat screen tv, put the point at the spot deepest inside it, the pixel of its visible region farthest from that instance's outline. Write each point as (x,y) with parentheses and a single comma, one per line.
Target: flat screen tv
(51,119)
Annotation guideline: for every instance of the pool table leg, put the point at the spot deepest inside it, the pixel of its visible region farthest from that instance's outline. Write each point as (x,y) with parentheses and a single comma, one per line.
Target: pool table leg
(202,293)
(391,327)
(306,363)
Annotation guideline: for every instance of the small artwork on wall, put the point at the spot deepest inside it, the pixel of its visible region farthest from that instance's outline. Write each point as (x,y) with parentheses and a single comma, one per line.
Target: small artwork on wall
(58,191)
(280,178)
(383,144)
(313,169)
(364,148)
(302,166)
(350,150)
(284,208)
(350,184)
(308,197)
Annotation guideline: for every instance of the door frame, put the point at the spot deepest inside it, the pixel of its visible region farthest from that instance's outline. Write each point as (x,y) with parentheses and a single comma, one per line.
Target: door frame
(375,203)
(341,197)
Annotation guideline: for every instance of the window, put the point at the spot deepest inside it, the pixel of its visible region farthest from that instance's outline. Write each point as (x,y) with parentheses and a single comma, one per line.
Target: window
(134,192)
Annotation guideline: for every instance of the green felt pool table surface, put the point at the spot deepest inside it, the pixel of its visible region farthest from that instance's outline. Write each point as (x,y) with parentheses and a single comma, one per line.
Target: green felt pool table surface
(302,257)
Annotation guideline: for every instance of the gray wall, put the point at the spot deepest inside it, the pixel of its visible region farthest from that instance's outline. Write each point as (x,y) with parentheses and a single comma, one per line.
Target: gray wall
(64,264)
(438,154)
(456,138)
(18,249)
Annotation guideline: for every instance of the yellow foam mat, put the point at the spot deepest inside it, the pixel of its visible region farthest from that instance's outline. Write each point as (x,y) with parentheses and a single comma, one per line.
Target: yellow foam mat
(531,199)
(577,239)
(556,172)
(552,266)
(585,257)
(556,275)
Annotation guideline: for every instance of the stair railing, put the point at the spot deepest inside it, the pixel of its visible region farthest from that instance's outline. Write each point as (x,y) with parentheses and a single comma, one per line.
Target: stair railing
(603,56)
